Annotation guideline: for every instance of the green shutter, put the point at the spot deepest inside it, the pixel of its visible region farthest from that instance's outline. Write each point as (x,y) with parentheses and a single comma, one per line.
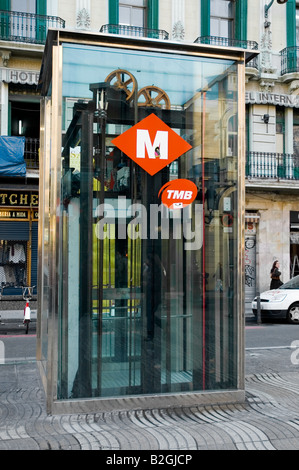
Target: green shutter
(4,19)
(291,23)
(241,20)
(41,7)
(153,14)
(113,12)
(41,23)
(205,18)
(291,35)
(5,5)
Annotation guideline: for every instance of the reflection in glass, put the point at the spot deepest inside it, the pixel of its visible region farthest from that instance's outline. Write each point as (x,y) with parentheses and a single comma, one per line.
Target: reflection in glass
(149,294)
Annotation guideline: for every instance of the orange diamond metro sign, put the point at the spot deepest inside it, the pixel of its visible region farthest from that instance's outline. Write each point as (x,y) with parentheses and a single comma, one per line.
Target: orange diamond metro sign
(151,144)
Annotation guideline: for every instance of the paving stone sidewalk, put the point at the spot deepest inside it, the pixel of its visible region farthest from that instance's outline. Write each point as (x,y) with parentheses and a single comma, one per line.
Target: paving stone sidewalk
(268,420)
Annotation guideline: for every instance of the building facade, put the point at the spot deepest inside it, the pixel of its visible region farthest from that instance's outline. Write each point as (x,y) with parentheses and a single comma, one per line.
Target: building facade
(23,29)
(271,160)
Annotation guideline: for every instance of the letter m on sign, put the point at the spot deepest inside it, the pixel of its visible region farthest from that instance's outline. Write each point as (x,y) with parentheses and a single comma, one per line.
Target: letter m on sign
(151,144)
(144,142)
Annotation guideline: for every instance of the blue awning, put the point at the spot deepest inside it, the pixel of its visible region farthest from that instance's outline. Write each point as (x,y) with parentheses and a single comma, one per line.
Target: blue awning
(12,161)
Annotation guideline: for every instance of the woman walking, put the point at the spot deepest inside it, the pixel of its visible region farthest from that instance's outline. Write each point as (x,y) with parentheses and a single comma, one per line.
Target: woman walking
(275,276)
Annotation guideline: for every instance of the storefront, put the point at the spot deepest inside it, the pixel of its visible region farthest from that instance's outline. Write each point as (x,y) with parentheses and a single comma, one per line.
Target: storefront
(141,235)
(19,185)
(18,242)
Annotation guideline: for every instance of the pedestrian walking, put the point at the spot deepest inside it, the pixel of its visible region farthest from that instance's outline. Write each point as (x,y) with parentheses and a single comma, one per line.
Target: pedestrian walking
(275,276)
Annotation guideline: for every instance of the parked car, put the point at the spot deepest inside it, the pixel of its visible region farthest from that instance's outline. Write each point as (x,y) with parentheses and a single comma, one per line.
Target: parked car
(282,303)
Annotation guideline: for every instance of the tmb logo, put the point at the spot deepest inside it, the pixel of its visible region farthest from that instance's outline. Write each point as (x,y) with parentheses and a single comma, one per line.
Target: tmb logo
(151,144)
(179,193)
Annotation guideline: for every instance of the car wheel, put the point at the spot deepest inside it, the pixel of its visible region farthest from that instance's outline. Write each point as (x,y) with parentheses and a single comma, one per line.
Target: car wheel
(293,313)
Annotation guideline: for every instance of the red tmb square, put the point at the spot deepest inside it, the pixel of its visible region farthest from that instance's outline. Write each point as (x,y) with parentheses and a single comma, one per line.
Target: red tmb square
(151,144)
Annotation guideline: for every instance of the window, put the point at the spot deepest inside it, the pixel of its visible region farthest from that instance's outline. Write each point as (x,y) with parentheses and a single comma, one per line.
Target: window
(280,130)
(296,136)
(21,24)
(232,134)
(24,6)
(132,12)
(297,25)
(222,18)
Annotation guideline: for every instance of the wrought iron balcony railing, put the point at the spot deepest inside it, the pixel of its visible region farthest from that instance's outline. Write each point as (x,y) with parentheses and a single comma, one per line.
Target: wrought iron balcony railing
(27,27)
(279,166)
(253,63)
(289,60)
(135,31)
(227,42)
(31,153)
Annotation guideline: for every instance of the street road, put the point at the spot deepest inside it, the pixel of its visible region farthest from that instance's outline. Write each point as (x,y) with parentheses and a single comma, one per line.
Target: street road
(269,347)
(15,345)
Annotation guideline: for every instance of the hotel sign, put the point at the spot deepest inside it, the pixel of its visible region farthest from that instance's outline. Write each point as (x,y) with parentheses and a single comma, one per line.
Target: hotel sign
(18,199)
(23,76)
(276,99)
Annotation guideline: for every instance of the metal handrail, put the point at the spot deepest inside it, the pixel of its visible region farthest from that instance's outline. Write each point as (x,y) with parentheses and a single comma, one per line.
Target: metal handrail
(227,42)
(289,60)
(136,31)
(27,27)
(31,152)
(267,165)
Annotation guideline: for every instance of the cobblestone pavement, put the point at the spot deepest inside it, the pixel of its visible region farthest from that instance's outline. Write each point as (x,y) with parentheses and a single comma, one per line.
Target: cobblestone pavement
(268,420)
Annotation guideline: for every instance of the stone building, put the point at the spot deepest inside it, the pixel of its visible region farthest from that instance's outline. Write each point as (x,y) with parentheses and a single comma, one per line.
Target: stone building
(267,29)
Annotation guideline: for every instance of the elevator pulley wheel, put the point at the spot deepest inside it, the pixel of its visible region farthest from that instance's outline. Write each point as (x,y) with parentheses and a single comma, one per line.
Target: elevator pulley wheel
(123,80)
(153,96)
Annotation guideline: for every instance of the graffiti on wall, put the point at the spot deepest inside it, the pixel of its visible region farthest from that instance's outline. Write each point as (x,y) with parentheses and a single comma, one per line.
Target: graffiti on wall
(250,262)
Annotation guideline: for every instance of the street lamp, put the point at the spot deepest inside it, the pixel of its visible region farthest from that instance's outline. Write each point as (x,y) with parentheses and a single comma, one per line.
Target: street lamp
(267,7)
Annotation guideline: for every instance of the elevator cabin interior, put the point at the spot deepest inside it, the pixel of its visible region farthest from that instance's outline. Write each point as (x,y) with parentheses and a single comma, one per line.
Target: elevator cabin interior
(151,316)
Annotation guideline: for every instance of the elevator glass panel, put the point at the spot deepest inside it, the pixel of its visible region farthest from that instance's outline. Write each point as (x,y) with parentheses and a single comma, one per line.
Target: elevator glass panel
(149,293)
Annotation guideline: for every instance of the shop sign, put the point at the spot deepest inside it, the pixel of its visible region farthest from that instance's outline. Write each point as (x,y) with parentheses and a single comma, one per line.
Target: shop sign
(151,144)
(13,214)
(227,220)
(276,99)
(24,199)
(177,194)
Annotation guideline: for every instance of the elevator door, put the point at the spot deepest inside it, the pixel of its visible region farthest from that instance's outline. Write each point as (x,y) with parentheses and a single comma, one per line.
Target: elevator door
(149,295)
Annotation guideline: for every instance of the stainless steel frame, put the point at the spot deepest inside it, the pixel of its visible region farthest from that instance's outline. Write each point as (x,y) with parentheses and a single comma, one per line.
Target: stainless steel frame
(49,295)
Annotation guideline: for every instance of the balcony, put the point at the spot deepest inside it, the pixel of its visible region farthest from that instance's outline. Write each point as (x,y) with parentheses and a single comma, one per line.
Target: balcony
(135,31)
(27,27)
(31,153)
(289,60)
(277,166)
(227,42)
